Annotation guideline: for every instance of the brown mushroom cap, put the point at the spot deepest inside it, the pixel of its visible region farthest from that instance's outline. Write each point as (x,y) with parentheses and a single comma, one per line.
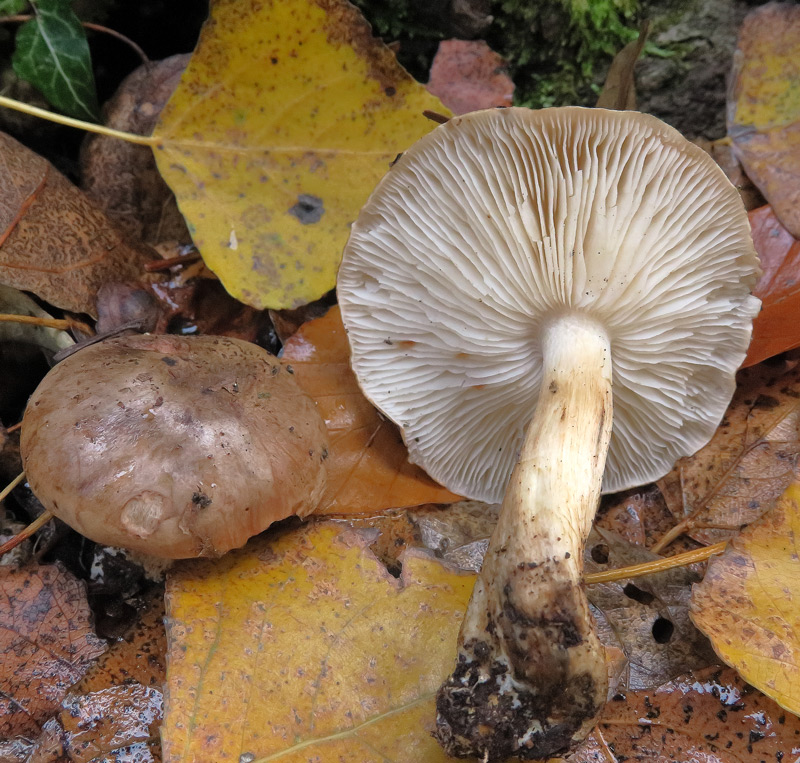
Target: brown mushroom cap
(174,446)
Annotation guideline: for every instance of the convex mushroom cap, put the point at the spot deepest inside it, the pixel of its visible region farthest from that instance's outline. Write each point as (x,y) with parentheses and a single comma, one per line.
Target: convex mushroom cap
(173,446)
(498,222)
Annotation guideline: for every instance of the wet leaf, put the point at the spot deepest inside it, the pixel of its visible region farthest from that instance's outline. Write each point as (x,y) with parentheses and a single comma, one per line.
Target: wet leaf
(53,240)
(748,602)
(467,75)
(271,163)
(776,328)
(764,106)
(711,716)
(368,467)
(748,463)
(53,55)
(10,7)
(46,644)
(303,647)
(138,657)
(118,724)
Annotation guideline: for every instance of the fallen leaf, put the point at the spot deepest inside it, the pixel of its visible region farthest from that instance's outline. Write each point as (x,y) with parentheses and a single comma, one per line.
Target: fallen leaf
(368,467)
(46,644)
(51,52)
(747,602)
(619,89)
(53,240)
(117,724)
(711,716)
(467,75)
(764,106)
(121,177)
(139,657)
(270,163)
(302,647)
(646,618)
(749,462)
(776,328)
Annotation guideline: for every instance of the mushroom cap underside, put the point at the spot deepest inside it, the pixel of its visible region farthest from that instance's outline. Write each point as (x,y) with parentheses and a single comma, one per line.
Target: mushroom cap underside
(499,222)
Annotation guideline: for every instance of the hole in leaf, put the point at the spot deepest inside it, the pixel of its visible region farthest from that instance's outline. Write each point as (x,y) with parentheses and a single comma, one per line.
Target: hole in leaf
(600,553)
(637,594)
(663,630)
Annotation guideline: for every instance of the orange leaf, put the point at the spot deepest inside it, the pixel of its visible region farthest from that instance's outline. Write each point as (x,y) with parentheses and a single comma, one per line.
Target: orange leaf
(368,467)
(776,328)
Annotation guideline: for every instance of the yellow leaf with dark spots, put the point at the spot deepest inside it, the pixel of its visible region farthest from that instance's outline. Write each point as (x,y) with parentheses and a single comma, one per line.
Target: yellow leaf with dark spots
(285,119)
(748,602)
(303,647)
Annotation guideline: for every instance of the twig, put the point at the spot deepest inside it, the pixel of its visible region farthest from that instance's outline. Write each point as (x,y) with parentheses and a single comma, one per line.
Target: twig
(62,324)
(13,427)
(435,116)
(182,259)
(23,17)
(658,565)
(33,527)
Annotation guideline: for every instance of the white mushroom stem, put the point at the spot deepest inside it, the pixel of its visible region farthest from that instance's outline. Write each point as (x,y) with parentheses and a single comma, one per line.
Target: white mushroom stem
(531,674)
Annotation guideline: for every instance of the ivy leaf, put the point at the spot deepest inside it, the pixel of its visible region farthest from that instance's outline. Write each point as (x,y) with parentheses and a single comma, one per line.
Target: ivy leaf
(53,55)
(10,7)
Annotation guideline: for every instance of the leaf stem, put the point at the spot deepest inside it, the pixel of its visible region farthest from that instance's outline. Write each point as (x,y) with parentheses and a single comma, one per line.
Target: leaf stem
(50,116)
(21,18)
(679,529)
(658,565)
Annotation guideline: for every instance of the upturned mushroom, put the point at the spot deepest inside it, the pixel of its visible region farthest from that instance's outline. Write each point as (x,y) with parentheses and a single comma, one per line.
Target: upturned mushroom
(173,446)
(513,272)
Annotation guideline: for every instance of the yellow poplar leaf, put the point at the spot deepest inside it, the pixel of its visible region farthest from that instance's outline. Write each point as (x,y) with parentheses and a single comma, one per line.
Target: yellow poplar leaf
(303,647)
(748,602)
(288,114)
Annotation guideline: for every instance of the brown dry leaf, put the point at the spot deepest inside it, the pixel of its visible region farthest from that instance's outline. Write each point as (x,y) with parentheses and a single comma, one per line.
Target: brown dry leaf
(776,328)
(748,463)
(368,467)
(764,106)
(467,75)
(748,602)
(302,647)
(53,240)
(46,644)
(711,716)
(619,89)
(122,178)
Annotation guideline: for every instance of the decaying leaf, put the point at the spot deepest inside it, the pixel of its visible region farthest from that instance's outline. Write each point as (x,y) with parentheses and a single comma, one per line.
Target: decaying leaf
(711,716)
(764,106)
(270,163)
(748,463)
(46,644)
(368,467)
(302,647)
(122,178)
(776,328)
(53,240)
(748,602)
(467,75)
(646,618)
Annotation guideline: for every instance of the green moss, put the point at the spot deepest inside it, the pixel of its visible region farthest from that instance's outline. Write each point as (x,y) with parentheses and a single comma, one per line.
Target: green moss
(556,47)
